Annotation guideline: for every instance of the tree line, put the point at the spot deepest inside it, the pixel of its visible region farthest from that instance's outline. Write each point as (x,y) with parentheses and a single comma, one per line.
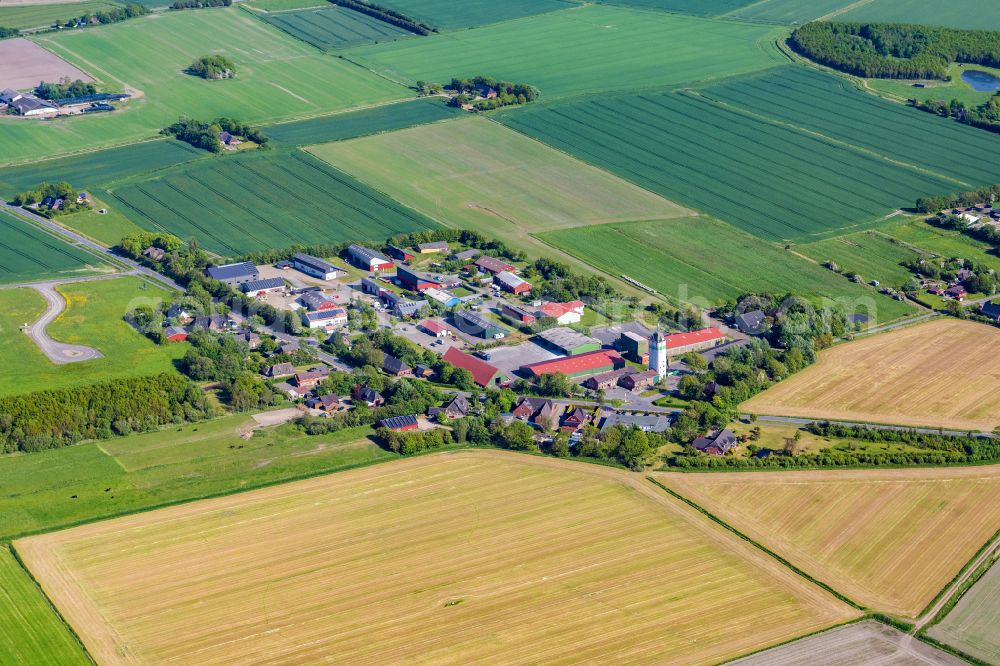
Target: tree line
(200,4)
(387,15)
(985,116)
(893,50)
(56,418)
(507,93)
(988,194)
(64,89)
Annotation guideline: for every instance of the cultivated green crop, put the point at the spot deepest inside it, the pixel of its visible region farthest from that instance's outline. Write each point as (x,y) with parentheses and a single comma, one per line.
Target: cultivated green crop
(259,201)
(694,7)
(788,11)
(32,632)
(451,15)
(971,14)
(334,27)
(38,16)
(705,262)
(29,254)
(971,626)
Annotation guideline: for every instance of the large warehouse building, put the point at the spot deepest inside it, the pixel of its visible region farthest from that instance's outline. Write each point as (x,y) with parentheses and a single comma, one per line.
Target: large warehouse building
(580,365)
(567,341)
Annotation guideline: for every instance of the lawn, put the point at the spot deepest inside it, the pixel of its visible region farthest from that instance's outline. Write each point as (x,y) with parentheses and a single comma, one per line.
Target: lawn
(449,15)
(768,178)
(935,89)
(942,374)
(39,16)
(944,242)
(870,254)
(492,542)
(259,201)
(579,50)
(277,79)
(888,539)
(28,254)
(88,170)
(334,27)
(706,262)
(173,465)
(353,124)
(32,632)
(971,626)
(971,14)
(443,171)
(93,317)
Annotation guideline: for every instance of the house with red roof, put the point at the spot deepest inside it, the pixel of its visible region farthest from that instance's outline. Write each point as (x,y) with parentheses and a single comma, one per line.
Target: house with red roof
(563,313)
(579,365)
(493,265)
(483,373)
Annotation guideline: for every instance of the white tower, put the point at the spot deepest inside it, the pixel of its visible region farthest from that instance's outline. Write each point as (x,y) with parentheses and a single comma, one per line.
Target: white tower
(658,354)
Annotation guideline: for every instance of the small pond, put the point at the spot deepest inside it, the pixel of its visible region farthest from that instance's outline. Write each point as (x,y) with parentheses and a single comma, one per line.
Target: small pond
(981,81)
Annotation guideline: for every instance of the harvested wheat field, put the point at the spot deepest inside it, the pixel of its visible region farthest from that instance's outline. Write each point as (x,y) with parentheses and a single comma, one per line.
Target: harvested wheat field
(943,373)
(888,539)
(452,558)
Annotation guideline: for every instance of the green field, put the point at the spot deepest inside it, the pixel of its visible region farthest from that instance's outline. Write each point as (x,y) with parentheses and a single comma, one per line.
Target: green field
(767,178)
(106,229)
(451,15)
(705,262)
(971,14)
(788,11)
(944,242)
(351,124)
(870,254)
(834,107)
(284,5)
(334,27)
(279,78)
(32,631)
(259,201)
(579,50)
(93,317)
(971,626)
(39,16)
(89,170)
(519,185)
(172,465)
(694,7)
(28,254)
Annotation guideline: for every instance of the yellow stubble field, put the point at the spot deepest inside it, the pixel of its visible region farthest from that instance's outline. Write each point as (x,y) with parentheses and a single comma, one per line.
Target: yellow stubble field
(943,373)
(888,539)
(453,558)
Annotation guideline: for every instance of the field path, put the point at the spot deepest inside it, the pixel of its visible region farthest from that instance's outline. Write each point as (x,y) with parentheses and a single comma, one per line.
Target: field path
(932,612)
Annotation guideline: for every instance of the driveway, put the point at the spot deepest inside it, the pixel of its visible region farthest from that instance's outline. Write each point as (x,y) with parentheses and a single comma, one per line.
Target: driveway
(59,353)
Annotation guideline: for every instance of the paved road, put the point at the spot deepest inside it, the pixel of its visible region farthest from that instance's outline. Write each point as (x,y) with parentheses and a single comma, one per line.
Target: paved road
(76,239)
(59,353)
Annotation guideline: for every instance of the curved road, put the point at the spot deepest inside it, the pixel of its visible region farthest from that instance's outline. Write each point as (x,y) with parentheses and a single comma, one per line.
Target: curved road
(58,352)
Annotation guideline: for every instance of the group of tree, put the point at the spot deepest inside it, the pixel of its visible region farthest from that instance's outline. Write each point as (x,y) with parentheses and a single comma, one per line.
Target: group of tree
(212,67)
(56,418)
(792,321)
(64,89)
(206,135)
(486,93)
(200,4)
(988,194)
(50,199)
(895,51)
(387,15)
(115,14)
(985,116)
(983,279)
(6,33)
(984,232)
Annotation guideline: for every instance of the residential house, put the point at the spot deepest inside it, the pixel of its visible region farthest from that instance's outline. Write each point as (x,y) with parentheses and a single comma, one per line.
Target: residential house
(154,253)
(456,409)
(316,267)
(716,443)
(399,423)
(574,419)
(423,371)
(311,378)
(991,310)
(646,422)
(328,403)
(395,366)
(536,410)
(639,381)
(214,323)
(280,370)
(369,259)
(234,274)
(367,396)
(511,283)
(957,293)
(750,323)
(298,392)
(176,334)
(179,314)
(249,337)
(964,274)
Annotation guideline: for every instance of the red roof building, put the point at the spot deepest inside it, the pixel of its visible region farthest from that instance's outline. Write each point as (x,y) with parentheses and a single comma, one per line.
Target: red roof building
(590,363)
(681,343)
(494,265)
(563,313)
(437,329)
(483,373)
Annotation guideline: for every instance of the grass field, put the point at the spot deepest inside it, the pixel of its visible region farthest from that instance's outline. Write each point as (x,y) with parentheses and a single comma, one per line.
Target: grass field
(693,7)
(172,465)
(491,543)
(767,178)
(335,27)
(934,89)
(284,5)
(945,242)
(578,50)
(32,632)
(277,79)
(444,172)
(867,642)
(870,254)
(888,539)
(93,317)
(971,14)
(38,16)
(834,107)
(352,124)
(106,229)
(971,626)
(671,258)
(101,167)
(29,254)
(449,15)
(265,200)
(942,373)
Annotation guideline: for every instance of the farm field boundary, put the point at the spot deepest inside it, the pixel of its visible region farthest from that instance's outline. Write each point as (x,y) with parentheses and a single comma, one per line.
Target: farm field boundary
(497,584)
(260,201)
(27,253)
(889,539)
(449,15)
(333,27)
